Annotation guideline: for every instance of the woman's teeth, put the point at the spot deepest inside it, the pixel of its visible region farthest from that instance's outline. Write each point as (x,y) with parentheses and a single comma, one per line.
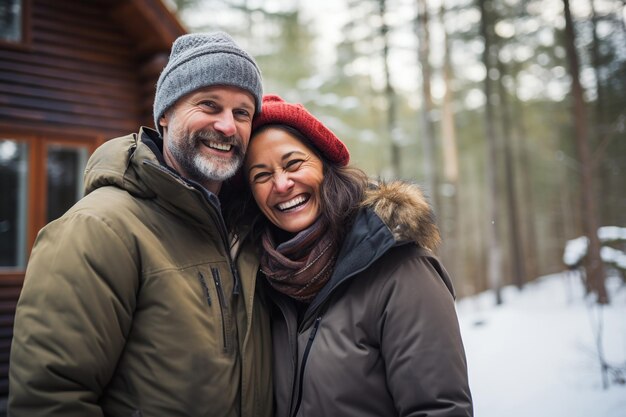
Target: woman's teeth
(291,203)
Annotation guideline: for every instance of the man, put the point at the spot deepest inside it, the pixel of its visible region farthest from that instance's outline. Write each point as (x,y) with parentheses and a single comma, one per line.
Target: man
(132,303)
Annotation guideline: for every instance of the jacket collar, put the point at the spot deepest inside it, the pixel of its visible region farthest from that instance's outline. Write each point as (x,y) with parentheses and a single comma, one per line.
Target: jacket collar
(368,240)
(392,214)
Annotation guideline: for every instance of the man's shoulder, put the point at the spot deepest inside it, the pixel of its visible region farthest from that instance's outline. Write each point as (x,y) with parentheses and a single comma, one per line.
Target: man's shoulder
(110,204)
(105,214)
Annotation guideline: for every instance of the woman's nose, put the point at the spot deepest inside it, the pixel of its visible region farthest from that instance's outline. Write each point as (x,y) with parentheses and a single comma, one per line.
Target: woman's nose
(282,182)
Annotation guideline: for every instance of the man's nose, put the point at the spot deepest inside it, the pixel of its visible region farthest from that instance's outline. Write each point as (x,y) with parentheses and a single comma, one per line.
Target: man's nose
(225,124)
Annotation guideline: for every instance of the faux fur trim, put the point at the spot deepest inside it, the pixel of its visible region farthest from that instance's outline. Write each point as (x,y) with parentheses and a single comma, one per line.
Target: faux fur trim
(404,209)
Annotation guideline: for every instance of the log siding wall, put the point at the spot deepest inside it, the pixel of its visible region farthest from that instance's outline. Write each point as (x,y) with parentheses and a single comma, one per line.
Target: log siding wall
(79,73)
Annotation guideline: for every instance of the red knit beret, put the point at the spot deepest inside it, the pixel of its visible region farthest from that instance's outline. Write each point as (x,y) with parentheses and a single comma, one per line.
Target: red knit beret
(277,111)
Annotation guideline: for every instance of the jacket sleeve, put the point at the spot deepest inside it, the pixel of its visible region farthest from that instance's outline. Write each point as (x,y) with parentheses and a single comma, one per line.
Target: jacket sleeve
(72,318)
(421,341)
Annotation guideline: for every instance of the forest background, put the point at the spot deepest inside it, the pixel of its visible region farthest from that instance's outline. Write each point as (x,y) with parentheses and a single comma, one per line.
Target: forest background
(511,113)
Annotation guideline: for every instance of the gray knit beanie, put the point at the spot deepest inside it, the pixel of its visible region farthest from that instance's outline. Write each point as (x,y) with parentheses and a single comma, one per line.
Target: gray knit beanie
(200,60)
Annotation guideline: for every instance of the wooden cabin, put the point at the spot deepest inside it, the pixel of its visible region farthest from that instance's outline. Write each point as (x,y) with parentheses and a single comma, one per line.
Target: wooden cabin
(72,75)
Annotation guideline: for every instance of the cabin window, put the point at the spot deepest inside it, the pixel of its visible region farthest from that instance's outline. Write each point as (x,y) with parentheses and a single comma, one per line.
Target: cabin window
(65,166)
(40,179)
(12,20)
(13,204)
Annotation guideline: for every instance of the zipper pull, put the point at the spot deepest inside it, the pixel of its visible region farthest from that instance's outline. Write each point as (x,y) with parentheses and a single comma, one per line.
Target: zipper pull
(237,282)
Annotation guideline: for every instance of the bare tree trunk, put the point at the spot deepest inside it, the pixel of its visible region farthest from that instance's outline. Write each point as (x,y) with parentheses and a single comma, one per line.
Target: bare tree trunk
(600,122)
(494,254)
(450,210)
(519,270)
(623,13)
(390,94)
(448,127)
(594,265)
(426,125)
(595,53)
(530,248)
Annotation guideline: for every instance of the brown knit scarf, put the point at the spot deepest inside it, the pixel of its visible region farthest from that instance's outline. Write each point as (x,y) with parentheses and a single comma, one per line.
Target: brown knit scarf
(302,265)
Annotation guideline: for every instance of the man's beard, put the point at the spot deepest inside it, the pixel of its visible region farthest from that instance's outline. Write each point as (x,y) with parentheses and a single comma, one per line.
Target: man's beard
(200,167)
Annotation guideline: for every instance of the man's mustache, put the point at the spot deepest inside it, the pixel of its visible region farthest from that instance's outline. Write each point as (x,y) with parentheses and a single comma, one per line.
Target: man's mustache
(213,136)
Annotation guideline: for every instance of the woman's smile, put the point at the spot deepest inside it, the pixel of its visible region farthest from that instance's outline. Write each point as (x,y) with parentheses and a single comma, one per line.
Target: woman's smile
(293,204)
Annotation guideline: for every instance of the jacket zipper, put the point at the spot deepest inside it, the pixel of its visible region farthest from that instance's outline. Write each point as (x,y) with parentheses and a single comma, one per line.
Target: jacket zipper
(223,309)
(224,234)
(305,357)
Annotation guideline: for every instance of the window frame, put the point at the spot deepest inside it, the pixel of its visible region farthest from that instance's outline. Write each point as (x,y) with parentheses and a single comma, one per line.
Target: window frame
(26,35)
(64,144)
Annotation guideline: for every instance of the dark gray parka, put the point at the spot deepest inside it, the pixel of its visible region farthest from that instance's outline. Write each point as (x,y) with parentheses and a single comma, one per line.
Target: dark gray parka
(382,337)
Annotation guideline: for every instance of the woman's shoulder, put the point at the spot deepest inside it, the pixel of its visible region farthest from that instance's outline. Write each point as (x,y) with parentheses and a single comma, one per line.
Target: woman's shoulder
(407,269)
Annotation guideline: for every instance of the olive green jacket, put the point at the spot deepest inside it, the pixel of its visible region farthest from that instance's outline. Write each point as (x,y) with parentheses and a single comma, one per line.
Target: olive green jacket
(133,306)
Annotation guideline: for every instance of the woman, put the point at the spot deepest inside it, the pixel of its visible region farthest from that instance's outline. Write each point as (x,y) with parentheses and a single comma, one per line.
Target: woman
(363,320)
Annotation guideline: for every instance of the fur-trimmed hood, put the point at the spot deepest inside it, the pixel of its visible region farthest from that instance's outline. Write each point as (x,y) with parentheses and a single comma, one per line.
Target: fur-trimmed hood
(403,207)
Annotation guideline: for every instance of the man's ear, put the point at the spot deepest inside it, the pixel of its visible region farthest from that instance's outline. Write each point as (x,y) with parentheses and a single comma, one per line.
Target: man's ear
(163,120)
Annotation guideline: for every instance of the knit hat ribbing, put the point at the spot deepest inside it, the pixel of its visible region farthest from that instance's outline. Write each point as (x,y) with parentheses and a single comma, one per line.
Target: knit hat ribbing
(200,60)
(278,111)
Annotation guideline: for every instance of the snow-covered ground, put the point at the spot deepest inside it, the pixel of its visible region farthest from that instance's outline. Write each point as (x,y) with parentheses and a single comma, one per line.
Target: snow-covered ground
(535,355)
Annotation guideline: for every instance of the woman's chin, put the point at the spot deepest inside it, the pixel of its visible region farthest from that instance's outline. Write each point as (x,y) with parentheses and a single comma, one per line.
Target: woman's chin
(298,219)
(296,223)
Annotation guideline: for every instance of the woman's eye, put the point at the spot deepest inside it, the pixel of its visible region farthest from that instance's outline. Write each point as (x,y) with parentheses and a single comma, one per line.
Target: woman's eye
(294,164)
(261,177)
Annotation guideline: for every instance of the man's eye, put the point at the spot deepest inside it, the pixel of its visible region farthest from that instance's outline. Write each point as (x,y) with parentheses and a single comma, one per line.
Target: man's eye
(261,177)
(294,164)
(210,104)
(242,114)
